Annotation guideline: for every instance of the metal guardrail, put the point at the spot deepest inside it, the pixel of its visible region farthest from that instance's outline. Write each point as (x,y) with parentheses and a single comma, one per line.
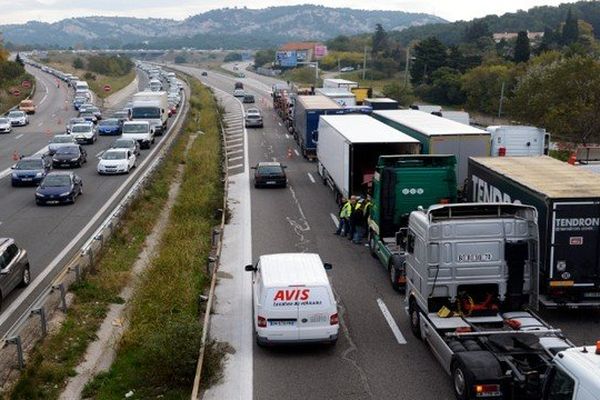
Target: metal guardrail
(32,325)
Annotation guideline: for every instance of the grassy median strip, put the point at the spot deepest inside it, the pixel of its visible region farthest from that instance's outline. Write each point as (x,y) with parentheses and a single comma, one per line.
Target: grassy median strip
(54,359)
(158,353)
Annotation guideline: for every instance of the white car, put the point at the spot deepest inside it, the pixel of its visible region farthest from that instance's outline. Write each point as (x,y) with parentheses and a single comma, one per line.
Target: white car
(239,93)
(18,118)
(347,69)
(84,133)
(5,125)
(116,161)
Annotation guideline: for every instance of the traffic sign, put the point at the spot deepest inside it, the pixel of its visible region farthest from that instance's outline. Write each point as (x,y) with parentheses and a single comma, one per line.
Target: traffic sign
(26,84)
(107,88)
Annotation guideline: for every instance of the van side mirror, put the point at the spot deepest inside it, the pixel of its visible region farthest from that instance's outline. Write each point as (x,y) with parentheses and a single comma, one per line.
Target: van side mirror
(327,266)
(250,268)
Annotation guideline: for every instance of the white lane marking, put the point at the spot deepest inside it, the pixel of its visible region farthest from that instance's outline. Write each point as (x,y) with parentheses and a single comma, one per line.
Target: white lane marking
(45,95)
(280,124)
(235,158)
(390,320)
(287,136)
(234,146)
(312,179)
(40,124)
(19,136)
(296,151)
(234,140)
(236,166)
(53,115)
(336,222)
(235,152)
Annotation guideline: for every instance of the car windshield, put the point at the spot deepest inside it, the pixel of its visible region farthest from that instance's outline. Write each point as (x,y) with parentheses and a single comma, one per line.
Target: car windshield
(68,150)
(15,114)
(253,116)
(123,144)
(62,139)
(269,169)
(146,112)
(110,122)
(56,181)
(114,155)
(30,164)
(76,121)
(4,121)
(135,128)
(81,128)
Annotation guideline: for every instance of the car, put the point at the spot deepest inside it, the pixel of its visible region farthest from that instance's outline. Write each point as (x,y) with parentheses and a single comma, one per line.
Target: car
(116,161)
(127,143)
(83,107)
(172,109)
(79,101)
(248,98)
(59,141)
(253,118)
(269,174)
(5,125)
(84,133)
(239,93)
(59,187)
(204,73)
(30,170)
(96,111)
(89,116)
(347,69)
(240,75)
(14,267)
(18,118)
(110,126)
(74,121)
(122,115)
(27,106)
(69,156)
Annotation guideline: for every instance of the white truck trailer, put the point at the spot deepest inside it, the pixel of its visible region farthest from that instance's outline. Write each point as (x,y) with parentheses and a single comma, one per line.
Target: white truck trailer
(152,107)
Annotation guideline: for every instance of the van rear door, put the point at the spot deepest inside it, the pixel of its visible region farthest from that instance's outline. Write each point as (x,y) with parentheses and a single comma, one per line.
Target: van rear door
(281,312)
(314,312)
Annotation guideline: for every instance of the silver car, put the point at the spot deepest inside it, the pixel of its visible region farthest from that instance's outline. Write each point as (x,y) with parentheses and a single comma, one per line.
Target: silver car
(5,126)
(18,118)
(14,267)
(253,118)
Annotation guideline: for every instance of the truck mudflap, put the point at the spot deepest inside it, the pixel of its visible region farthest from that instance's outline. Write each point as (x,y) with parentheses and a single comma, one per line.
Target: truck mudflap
(475,375)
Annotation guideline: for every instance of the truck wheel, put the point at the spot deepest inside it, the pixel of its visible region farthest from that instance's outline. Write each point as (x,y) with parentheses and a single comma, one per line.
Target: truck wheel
(460,382)
(414,318)
(372,244)
(393,274)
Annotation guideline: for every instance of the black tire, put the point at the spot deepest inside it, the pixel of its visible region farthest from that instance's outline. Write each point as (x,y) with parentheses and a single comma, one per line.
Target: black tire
(460,382)
(25,277)
(80,164)
(414,317)
(372,244)
(393,276)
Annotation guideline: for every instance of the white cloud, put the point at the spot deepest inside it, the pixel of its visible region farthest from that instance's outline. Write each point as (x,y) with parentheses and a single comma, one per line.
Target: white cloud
(21,11)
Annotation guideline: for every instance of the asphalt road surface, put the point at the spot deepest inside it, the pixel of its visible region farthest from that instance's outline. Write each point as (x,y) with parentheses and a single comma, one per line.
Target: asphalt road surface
(370,361)
(46,232)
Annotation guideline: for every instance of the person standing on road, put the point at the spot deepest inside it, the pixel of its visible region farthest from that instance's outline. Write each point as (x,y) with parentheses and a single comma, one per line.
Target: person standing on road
(362,220)
(345,212)
(355,216)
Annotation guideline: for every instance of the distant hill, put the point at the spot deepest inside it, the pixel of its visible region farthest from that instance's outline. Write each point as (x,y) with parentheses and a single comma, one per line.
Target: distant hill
(222,28)
(535,20)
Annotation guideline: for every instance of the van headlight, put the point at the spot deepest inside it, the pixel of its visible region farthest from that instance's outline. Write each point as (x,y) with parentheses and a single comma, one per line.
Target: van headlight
(561,266)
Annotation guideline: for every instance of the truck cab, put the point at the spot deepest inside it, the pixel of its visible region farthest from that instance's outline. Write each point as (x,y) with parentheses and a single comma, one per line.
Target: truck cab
(574,375)
(401,184)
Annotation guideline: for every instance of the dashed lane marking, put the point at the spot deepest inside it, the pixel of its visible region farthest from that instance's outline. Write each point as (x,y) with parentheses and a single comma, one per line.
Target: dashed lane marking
(336,222)
(390,320)
(296,151)
(312,179)
(287,136)
(19,136)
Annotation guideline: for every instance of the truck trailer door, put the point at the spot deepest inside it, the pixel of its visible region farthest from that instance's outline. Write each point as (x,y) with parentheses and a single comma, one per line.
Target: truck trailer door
(575,241)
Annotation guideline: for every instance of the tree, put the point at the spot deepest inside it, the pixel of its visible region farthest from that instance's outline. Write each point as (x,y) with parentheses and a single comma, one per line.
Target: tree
(180,59)
(522,48)
(19,60)
(399,93)
(380,40)
(430,54)
(476,30)
(446,87)
(78,63)
(233,56)
(263,57)
(563,97)
(482,86)
(385,65)
(570,33)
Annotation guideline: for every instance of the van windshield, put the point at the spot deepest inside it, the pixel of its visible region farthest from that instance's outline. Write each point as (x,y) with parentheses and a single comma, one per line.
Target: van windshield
(145,112)
(135,128)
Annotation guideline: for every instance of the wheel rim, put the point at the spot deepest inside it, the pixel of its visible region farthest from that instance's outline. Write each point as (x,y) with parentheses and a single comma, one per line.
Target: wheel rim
(459,381)
(26,277)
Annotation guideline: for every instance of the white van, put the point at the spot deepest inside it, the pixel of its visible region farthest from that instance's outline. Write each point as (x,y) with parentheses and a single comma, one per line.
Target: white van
(140,131)
(81,85)
(292,299)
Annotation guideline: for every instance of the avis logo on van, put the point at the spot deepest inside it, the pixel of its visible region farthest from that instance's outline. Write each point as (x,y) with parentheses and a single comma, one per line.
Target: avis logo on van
(293,294)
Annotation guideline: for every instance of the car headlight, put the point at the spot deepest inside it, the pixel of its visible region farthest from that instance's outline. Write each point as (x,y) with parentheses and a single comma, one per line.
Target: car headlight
(39,174)
(39,194)
(75,159)
(15,175)
(65,194)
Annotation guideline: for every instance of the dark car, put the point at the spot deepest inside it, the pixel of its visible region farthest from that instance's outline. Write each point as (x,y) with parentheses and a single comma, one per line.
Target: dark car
(14,267)
(127,143)
(269,174)
(204,73)
(110,126)
(69,156)
(78,101)
(30,170)
(59,187)
(89,116)
(249,99)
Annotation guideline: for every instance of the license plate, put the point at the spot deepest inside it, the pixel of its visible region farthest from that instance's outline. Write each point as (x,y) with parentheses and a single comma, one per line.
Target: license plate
(52,202)
(26,179)
(592,294)
(65,165)
(282,323)
(271,182)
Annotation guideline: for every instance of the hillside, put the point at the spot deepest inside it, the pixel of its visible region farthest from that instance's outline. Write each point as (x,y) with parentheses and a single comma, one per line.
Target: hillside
(222,28)
(534,19)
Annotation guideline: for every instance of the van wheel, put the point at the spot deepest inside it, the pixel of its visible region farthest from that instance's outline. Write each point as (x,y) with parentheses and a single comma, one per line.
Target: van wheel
(414,318)
(372,244)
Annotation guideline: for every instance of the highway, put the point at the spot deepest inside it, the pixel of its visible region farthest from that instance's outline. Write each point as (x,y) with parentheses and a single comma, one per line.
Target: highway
(376,357)
(53,234)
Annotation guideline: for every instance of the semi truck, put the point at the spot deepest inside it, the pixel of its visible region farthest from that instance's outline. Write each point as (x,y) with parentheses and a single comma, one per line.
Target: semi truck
(440,136)
(343,97)
(567,200)
(152,107)
(518,140)
(306,120)
(381,103)
(348,148)
(400,185)
(339,83)
(471,277)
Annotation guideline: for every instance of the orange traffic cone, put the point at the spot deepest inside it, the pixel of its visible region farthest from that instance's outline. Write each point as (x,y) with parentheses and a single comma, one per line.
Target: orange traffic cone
(15,156)
(572,159)
(289,153)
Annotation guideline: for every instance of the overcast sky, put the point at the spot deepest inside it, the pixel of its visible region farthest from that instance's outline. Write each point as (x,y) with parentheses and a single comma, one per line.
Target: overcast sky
(19,11)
